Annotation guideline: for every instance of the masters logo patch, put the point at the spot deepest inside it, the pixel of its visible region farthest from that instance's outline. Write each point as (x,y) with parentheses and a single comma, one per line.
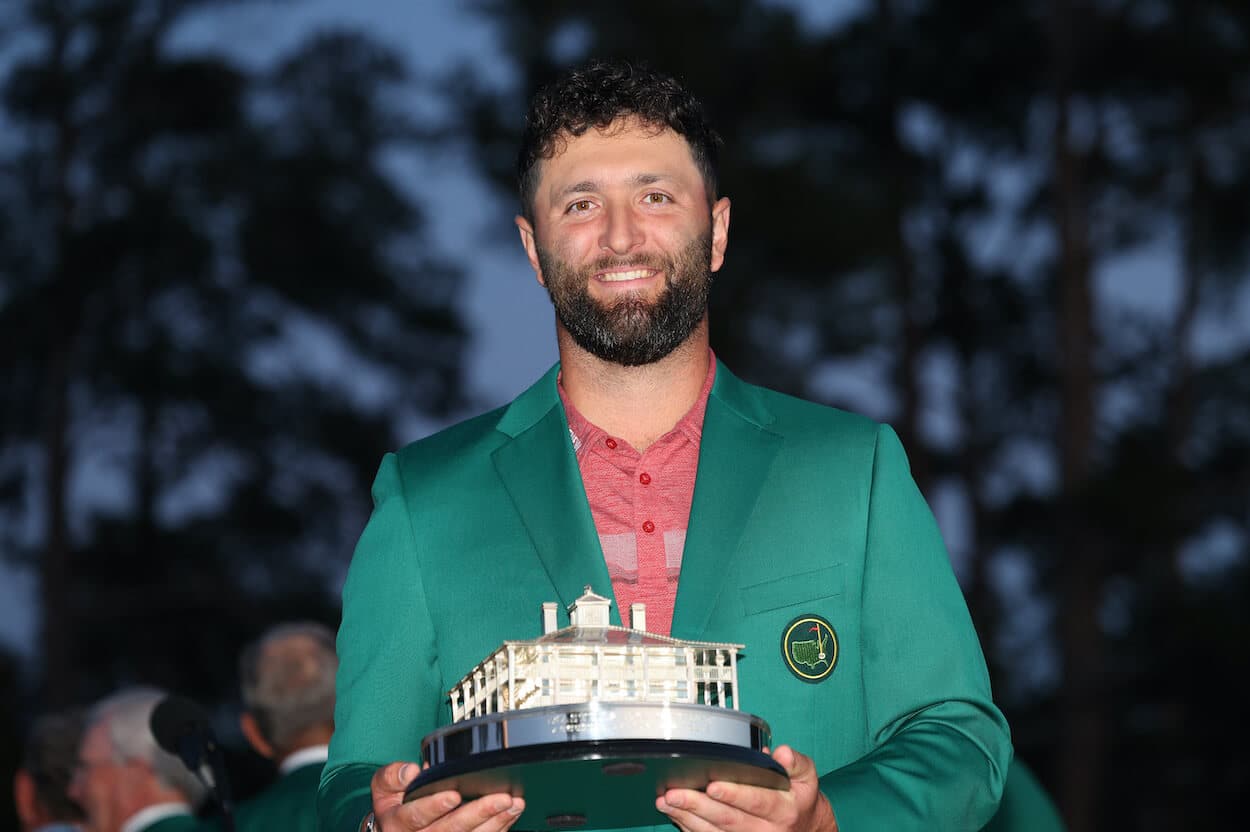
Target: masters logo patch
(809,647)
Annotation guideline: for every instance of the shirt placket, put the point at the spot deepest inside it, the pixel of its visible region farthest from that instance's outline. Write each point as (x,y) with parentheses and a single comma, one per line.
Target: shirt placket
(652,523)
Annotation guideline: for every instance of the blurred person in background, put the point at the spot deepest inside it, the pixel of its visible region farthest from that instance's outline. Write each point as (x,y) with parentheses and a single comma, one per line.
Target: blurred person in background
(287,679)
(123,780)
(41,785)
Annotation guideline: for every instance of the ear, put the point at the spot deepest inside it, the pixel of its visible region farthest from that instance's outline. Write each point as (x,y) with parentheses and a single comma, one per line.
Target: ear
(720,232)
(25,801)
(252,732)
(531,246)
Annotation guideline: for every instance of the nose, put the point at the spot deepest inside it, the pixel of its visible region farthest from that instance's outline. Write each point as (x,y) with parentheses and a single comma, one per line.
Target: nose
(622,232)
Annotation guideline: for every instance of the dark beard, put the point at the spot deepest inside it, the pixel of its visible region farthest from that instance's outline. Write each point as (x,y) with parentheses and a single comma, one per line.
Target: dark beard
(633,331)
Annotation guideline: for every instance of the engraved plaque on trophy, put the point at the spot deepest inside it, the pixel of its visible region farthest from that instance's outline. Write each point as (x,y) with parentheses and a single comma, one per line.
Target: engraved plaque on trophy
(592,722)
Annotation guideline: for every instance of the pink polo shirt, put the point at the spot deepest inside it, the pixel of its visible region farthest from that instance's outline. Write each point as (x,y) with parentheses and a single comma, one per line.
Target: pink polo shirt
(641,505)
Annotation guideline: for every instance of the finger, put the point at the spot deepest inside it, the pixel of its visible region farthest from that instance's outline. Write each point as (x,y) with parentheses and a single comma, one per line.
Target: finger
(492,813)
(683,820)
(755,801)
(695,811)
(808,803)
(784,755)
(797,765)
(388,784)
(393,778)
(424,811)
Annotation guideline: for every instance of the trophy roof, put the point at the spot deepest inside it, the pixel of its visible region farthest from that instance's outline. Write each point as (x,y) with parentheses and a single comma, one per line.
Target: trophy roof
(589,595)
(613,634)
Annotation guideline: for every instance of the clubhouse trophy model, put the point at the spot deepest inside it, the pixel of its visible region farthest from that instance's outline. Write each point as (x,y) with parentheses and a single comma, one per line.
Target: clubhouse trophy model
(592,722)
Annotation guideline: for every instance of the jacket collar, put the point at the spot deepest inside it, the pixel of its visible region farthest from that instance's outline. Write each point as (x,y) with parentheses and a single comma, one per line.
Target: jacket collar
(539,470)
(738,448)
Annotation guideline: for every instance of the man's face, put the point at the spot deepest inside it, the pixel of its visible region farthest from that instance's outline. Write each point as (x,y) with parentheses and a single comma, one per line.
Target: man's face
(101,782)
(624,242)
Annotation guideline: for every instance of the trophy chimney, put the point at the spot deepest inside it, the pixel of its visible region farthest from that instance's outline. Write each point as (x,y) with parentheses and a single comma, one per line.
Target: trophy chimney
(549,617)
(638,617)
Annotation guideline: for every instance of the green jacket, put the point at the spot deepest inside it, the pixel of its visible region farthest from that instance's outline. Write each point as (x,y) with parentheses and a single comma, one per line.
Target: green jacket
(798,509)
(1025,806)
(288,804)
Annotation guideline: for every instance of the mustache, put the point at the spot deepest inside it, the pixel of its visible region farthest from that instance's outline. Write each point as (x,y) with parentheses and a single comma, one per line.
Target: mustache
(647,261)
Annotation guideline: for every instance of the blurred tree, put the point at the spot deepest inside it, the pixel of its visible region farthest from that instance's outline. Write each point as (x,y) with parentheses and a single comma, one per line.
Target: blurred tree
(11,742)
(217,307)
(1168,503)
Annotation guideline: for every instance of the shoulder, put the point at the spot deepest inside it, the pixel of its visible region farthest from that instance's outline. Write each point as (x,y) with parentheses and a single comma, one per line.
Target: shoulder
(472,436)
(459,445)
(802,423)
(289,803)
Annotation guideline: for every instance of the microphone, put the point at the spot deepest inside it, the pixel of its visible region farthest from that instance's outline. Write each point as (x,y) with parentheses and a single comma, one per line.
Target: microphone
(183,728)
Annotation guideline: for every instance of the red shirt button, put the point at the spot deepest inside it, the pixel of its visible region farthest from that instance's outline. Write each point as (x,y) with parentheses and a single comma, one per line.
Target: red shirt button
(648,527)
(610,442)
(644,478)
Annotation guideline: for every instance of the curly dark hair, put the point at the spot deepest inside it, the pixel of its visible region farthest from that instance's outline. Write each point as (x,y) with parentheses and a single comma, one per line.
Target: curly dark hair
(596,95)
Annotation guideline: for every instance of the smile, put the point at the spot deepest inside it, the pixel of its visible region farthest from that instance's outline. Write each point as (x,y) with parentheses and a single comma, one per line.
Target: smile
(618,277)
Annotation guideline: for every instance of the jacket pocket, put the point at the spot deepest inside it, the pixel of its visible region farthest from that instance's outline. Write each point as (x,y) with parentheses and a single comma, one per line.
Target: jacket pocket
(791,590)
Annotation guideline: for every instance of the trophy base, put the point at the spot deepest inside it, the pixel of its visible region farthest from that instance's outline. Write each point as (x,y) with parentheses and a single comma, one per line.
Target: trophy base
(597,784)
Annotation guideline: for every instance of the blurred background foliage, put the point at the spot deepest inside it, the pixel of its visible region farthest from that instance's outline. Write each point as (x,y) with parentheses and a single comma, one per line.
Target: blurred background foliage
(216,300)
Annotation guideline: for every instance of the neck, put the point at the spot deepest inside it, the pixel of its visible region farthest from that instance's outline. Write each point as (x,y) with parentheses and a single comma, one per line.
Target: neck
(637,404)
(316,735)
(152,796)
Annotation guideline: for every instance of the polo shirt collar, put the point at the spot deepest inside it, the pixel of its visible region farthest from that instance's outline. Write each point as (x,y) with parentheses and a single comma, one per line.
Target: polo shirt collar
(584,434)
(304,757)
(150,815)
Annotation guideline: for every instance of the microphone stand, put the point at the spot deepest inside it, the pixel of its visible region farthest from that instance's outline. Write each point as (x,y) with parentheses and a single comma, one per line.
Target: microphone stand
(217,765)
(200,752)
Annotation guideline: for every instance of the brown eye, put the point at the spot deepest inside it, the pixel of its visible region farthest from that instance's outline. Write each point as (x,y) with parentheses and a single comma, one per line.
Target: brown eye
(580,206)
(656,199)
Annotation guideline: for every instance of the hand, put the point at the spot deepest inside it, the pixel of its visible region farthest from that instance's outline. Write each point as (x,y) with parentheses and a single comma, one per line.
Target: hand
(733,806)
(438,812)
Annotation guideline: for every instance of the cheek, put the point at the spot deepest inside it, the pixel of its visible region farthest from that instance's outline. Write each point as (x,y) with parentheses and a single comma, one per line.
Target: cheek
(101,792)
(576,244)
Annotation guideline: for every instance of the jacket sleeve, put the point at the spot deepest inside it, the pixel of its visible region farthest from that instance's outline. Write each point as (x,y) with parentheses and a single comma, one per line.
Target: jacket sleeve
(387,689)
(940,746)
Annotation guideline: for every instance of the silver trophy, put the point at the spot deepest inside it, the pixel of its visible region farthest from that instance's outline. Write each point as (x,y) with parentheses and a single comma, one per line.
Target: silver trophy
(592,722)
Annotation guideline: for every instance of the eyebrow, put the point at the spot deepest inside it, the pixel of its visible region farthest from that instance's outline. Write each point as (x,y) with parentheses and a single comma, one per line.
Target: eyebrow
(591,185)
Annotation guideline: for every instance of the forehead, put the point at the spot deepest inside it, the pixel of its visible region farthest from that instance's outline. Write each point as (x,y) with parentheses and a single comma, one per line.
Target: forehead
(96,740)
(293,652)
(623,151)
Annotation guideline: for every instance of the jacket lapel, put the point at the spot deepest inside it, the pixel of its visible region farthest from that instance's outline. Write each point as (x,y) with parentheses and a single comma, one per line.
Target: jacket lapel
(539,471)
(735,454)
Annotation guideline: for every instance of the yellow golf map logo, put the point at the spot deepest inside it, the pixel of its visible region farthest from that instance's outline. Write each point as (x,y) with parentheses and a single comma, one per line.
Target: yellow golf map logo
(810,648)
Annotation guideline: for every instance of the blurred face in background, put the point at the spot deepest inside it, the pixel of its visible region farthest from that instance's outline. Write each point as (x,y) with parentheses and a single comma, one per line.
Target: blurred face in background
(104,786)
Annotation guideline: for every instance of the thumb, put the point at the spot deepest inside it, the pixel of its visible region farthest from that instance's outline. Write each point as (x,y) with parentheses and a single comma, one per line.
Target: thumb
(390,781)
(798,766)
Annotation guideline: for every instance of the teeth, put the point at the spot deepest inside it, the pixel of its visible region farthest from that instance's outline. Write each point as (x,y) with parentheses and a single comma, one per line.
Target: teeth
(636,274)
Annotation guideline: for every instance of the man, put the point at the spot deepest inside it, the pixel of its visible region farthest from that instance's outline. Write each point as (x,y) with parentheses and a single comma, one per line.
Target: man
(41,785)
(288,696)
(641,464)
(123,780)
